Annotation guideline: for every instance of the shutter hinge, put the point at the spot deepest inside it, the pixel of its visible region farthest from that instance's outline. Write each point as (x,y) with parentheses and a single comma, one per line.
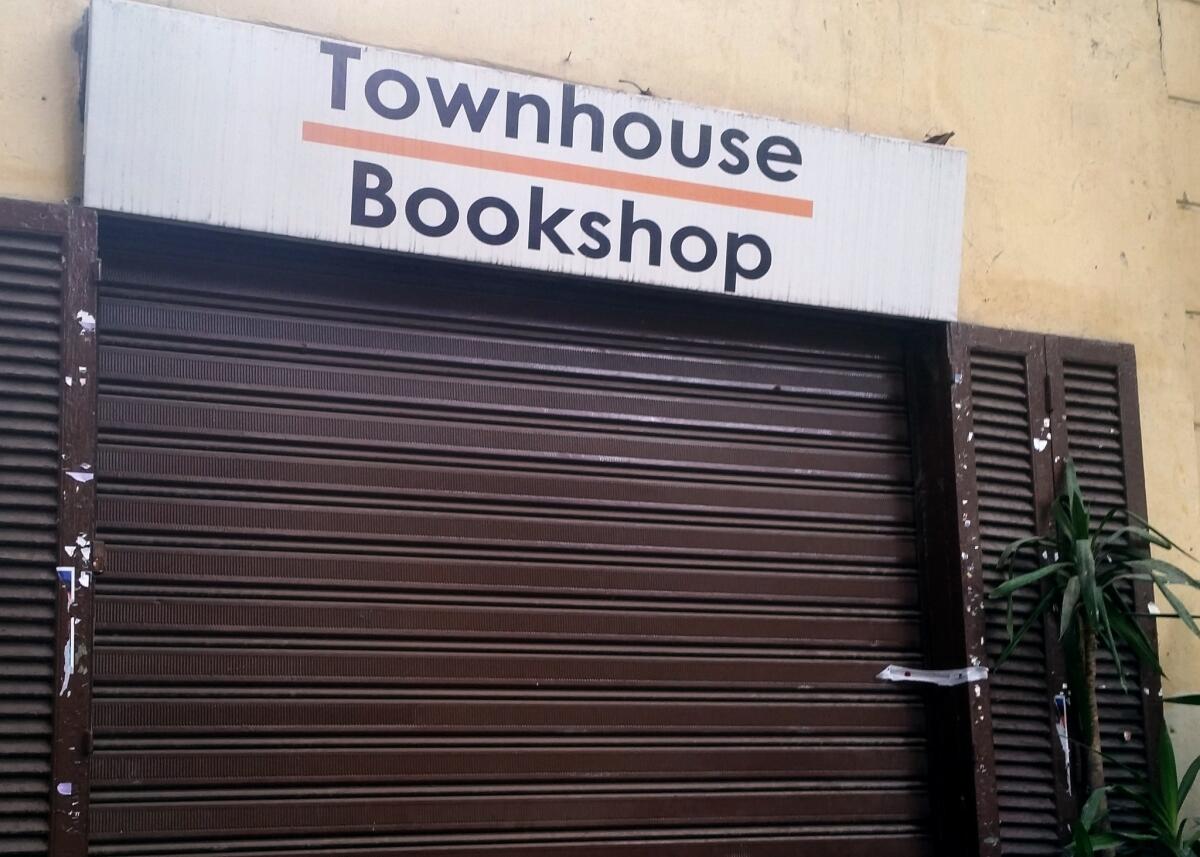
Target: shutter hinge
(99,557)
(97,269)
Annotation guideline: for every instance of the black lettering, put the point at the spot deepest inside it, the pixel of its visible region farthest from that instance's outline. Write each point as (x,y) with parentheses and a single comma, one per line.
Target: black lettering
(590,223)
(361,193)
(475,220)
(703,147)
(412,211)
(412,98)
(539,226)
(629,226)
(733,265)
(766,157)
(620,133)
(730,138)
(710,249)
(571,110)
(462,101)
(541,107)
(341,55)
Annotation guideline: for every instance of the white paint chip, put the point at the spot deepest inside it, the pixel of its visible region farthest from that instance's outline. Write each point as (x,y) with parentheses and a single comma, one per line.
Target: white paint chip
(65,789)
(81,476)
(1040,444)
(68,660)
(87,321)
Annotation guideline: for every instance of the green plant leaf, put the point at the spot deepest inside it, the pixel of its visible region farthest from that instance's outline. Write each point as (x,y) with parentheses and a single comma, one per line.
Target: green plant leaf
(1180,608)
(1070,600)
(1021,581)
(1081,843)
(1089,813)
(1010,552)
(1129,631)
(1031,620)
(1189,779)
(1165,540)
(1085,563)
(1104,841)
(1167,570)
(1168,780)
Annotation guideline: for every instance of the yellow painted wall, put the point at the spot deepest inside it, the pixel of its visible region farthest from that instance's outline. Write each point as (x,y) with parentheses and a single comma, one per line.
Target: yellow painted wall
(1081,119)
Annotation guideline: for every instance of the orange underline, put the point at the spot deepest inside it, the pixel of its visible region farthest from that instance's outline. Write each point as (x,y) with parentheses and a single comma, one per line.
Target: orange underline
(484,159)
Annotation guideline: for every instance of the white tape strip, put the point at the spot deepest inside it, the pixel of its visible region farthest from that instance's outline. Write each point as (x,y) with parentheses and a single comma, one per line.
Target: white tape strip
(943,678)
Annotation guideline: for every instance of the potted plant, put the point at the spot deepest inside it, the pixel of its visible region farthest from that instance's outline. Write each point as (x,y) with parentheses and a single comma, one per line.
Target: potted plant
(1081,578)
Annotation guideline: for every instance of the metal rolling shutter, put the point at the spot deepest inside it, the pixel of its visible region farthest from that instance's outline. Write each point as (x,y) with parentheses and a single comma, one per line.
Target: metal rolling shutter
(1095,388)
(415,559)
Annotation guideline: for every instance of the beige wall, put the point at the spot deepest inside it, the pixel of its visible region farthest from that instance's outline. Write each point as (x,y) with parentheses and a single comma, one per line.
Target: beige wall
(1081,119)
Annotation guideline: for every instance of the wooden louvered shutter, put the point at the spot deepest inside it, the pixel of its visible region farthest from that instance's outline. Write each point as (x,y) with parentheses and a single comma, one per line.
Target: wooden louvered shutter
(46,253)
(1093,386)
(1008,442)
(1023,404)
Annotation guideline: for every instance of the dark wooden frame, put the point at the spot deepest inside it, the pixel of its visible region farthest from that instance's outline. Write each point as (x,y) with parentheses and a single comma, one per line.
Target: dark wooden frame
(950,550)
(967,819)
(1121,358)
(76,229)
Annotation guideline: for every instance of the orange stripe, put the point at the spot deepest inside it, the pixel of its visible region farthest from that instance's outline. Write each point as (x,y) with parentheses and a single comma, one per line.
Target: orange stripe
(483,159)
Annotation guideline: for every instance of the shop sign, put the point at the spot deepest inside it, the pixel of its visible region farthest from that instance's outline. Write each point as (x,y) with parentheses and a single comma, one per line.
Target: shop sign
(248,127)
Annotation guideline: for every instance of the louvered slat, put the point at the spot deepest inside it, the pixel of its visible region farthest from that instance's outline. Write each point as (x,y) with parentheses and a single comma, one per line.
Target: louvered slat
(1092,397)
(30,319)
(1022,721)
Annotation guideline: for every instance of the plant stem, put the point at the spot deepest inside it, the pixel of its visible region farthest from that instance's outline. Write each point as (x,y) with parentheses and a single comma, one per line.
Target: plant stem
(1095,761)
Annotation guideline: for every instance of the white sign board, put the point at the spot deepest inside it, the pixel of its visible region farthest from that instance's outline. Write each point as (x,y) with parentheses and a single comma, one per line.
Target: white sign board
(237,125)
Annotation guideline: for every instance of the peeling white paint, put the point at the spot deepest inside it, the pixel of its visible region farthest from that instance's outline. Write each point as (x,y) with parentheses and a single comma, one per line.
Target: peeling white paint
(68,380)
(81,476)
(65,789)
(87,321)
(1040,444)
(68,660)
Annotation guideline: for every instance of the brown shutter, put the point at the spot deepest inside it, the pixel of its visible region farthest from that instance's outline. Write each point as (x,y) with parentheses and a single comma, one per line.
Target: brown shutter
(1094,398)
(1002,456)
(413,559)
(45,257)
(1032,400)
